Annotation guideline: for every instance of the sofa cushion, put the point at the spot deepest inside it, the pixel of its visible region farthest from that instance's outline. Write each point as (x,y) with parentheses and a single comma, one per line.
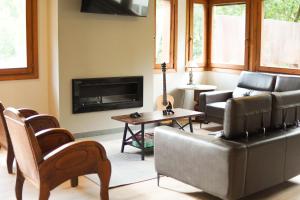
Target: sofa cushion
(287,83)
(243,92)
(247,115)
(257,81)
(216,109)
(285,108)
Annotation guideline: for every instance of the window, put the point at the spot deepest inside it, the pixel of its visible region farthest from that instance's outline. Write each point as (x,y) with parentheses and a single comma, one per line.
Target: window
(279,29)
(18,39)
(166,28)
(228,36)
(196,33)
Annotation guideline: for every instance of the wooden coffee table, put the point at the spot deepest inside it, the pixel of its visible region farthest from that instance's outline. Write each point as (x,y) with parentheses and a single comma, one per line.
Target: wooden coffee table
(152,117)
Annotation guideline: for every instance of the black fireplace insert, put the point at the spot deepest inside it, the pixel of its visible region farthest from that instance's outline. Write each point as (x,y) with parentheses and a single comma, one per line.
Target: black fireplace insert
(100,94)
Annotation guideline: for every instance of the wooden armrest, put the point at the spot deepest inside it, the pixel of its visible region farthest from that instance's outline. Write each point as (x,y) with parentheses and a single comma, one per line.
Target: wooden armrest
(78,146)
(26,112)
(42,122)
(72,160)
(53,138)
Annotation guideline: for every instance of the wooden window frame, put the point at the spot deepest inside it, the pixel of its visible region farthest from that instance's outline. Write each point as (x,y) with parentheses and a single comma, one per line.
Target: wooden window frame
(31,70)
(257,21)
(228,67)
(172,65)
(190,31)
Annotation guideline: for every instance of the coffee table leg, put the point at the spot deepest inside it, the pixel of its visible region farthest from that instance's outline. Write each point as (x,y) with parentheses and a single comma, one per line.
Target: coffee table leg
(191,124)
(124,137)
(143,141)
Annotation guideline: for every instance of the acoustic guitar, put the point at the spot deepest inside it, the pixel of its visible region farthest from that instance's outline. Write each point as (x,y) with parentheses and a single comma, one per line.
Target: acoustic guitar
(164,101)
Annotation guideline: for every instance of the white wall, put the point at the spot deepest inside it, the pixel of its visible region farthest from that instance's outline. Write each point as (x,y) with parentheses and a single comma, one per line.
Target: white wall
(223,81)
(95,45)
(31,93)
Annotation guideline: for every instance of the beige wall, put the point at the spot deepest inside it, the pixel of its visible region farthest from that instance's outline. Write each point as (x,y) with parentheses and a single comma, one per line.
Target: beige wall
(53,55)
(95,45)
(31,93)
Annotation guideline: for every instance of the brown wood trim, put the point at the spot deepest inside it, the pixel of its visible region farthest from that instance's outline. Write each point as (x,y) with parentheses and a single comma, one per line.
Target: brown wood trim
(227,66)
(213,3)
(279,70)
(196,69)
(31,70)
(190,30)
(158,71)
(223,70)
(173,37)
(226,2)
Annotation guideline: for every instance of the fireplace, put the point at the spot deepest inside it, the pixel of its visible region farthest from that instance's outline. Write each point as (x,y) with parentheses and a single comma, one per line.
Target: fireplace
(100,94)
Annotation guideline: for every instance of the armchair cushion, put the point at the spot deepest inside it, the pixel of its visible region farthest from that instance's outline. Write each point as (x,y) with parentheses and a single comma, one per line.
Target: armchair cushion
(243,92)
(216,109)
(212,97)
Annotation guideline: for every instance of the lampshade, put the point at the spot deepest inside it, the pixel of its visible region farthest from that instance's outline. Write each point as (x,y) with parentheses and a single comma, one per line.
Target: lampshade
(192,64)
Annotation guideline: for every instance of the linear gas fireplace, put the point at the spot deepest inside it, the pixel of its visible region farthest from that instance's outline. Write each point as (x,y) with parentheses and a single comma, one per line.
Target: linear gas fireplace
(99,94)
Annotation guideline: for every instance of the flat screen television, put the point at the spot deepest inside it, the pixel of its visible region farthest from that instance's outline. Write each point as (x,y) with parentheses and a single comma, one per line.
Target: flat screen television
(118,7)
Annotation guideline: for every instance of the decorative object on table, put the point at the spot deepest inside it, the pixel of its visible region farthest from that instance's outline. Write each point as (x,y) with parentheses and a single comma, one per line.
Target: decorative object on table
(148,143)
(165,101)
(168,112)
(191,64)
(135,115)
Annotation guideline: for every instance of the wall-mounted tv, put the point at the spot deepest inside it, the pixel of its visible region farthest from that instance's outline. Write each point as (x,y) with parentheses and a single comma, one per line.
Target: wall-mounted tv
(118,7)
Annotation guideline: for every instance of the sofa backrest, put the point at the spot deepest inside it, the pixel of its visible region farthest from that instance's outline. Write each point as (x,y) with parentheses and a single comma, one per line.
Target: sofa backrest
(287,83)
(253,83)
(285,108)
(257,81)
(247,115)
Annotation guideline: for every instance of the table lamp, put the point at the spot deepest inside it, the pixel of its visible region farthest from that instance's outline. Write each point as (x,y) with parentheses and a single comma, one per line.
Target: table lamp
(191,64)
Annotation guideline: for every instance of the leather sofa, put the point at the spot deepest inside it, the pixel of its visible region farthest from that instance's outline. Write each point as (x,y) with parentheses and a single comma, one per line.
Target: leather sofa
(258,148)
(249,84)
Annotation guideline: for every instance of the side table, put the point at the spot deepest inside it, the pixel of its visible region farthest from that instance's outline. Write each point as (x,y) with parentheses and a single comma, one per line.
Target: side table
(198,88)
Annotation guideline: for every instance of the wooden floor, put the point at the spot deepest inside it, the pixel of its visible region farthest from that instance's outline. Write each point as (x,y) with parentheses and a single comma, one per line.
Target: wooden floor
(170,189)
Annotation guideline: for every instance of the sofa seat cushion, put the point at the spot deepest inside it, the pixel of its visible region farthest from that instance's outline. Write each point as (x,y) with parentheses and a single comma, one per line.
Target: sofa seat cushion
(216,109)
(242,92)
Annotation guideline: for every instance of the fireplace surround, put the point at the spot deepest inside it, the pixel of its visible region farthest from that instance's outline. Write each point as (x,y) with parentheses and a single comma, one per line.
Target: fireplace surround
(100,94)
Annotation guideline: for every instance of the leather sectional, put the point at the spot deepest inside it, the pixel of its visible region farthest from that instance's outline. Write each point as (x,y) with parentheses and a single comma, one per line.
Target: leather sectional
(258,148)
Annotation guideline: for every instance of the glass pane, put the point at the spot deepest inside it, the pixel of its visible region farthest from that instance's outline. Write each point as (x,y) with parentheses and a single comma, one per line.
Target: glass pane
(280,42)
(13,52)
(198,33)
(163,31)
(229,25)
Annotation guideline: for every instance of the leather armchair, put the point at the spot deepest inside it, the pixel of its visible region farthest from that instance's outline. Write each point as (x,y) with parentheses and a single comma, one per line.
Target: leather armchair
(51,157)
(250,84)
(5,141)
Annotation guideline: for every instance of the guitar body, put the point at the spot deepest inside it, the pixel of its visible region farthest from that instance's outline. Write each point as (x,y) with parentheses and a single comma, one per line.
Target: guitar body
(165,101)
(160,102)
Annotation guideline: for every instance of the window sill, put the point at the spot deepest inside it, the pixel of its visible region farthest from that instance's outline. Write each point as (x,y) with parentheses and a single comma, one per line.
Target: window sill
(158,71)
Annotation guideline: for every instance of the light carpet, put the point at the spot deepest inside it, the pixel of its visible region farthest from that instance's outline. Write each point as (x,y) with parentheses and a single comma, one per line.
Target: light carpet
(127,167)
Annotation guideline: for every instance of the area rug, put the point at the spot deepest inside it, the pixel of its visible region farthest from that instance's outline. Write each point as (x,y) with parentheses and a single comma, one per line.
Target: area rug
(127,167)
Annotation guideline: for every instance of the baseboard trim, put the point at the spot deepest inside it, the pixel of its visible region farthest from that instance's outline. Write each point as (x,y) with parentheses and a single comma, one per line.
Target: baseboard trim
(109,131)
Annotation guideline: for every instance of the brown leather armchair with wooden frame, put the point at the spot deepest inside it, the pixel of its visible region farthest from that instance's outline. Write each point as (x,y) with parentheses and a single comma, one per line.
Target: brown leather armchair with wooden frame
(37,122)
(48,158)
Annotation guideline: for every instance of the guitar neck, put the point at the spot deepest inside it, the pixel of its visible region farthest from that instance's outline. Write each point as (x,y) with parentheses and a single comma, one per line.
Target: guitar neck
(165,102)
